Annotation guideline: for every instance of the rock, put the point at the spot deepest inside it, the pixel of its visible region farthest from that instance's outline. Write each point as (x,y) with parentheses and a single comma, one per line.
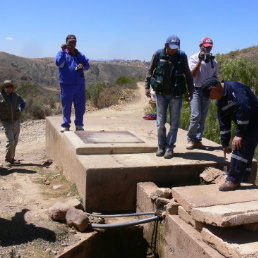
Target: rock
(96,220)
(161,192)
(213,175)
(57,186)
(77,218)
(161,204)
(59,209)
(172,207)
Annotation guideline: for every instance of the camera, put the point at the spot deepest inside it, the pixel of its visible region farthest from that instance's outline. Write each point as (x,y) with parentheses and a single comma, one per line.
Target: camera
(207,56)
(65,46)
(77,68)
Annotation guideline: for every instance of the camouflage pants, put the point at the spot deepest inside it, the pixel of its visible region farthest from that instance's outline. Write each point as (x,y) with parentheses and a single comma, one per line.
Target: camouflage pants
(12,131)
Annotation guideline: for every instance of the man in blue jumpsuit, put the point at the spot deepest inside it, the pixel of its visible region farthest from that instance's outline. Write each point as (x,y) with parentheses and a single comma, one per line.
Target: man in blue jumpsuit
(235,101)
(72,64)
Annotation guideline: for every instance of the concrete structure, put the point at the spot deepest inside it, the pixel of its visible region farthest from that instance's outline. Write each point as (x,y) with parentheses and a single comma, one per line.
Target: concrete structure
(181,235)
(174,237)
(106,173)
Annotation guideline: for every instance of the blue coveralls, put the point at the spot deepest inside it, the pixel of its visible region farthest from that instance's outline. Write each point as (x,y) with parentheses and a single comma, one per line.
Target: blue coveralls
(239,104)
(72,84)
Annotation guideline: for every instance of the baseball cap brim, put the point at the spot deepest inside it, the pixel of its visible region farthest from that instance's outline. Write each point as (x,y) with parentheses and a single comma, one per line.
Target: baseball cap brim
(207,45)
(173,46)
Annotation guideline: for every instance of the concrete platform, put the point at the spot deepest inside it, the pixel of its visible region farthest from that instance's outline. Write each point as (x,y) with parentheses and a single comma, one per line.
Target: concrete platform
(106,174)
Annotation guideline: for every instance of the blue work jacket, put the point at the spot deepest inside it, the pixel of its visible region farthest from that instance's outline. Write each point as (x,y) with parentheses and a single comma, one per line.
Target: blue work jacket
(239,104)
(67,67)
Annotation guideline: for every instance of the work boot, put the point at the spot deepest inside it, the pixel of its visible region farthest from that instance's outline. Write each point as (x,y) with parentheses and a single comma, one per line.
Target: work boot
(160,152)
(190,145)
(168,154)
(229,186)
(64,129)
(79,128)
(199,145)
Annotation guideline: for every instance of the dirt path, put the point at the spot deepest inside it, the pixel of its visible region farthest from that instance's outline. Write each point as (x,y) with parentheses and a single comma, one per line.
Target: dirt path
(136,107)
(28,190)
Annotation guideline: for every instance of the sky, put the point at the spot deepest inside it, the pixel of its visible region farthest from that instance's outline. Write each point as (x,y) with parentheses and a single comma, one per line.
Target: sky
(125,29)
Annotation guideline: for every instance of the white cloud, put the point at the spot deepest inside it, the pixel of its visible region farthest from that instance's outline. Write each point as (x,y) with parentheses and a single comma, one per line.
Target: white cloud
(9,38)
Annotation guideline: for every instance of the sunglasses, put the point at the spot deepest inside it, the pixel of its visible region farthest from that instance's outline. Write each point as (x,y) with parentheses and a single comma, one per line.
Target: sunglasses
(9,87)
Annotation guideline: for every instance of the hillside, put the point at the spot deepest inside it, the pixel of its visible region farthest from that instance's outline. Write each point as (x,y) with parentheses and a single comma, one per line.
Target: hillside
(250,53)
(43,71)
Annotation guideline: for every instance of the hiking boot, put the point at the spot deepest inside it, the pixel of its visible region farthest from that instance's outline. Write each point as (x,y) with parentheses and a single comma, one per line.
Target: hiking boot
(190,145)
(160,152)
(168,154)
(64,129)
(199,145)
(229,186)
(79,128)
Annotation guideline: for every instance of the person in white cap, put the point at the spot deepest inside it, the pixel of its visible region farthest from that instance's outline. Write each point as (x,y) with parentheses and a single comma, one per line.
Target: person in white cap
(11,105)
(203,66)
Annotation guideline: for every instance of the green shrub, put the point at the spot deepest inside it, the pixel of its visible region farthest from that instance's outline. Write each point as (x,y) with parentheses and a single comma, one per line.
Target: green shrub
(127,82)
(239,69)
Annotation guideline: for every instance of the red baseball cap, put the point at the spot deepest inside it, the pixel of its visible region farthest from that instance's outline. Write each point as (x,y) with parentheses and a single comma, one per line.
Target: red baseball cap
(207,42)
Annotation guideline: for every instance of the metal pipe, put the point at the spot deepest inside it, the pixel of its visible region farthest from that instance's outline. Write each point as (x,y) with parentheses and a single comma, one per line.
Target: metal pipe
(126,224)
(120,215)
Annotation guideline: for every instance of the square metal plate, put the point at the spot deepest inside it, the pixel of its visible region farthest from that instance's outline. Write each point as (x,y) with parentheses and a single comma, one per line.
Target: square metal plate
(108,137)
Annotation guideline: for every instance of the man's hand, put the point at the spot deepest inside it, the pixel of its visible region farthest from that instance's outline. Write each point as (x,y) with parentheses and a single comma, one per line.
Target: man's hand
(237,143)
(147,93)
(64,47)
(80,66)
(201,55)
(226,150)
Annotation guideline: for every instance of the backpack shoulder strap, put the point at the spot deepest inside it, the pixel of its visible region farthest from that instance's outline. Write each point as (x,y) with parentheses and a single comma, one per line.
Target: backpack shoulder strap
(158,55)
(181,54)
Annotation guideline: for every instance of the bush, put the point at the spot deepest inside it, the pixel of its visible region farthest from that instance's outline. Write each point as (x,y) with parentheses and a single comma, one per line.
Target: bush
(108,97)
(239,69)
(127,82)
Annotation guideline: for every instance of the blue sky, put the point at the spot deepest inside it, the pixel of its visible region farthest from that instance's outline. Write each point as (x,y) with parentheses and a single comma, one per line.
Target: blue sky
(129,29)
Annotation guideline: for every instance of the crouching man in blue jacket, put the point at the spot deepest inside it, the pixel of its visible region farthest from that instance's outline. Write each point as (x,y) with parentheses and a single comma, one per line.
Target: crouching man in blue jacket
(72,64)
(235,102)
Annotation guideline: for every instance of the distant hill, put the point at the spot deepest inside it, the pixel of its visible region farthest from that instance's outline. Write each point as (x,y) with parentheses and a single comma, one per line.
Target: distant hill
(250,53)
(44,73)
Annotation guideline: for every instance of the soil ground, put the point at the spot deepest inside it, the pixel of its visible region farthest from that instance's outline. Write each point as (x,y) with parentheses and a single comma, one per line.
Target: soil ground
(28,190)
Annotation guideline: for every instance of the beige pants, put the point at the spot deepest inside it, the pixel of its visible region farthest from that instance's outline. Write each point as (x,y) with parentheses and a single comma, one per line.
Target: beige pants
(12,131)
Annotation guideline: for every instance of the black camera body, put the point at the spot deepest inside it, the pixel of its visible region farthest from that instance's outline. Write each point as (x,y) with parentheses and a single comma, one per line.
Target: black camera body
(78,68)
(65,46)
(207,56)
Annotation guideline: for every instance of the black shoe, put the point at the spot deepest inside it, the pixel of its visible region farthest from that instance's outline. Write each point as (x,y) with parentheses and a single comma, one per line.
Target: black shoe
(79,128)
(160,152)
(168,154)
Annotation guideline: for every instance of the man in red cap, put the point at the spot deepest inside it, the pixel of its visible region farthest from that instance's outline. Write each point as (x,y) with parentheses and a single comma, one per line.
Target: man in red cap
(203,66)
